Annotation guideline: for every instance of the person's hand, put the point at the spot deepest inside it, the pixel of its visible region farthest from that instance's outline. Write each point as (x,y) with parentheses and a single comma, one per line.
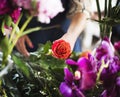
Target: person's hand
(68,37)
(21,47)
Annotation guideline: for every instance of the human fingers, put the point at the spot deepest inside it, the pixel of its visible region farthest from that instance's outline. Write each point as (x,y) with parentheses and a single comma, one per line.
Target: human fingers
(28,41)
(21,47)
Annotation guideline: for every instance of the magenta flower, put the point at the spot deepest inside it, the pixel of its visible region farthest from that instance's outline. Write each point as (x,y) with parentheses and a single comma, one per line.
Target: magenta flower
(68,88)
(16,14)
(105,50)
(117,46)
(25,4)
(109,75)
(4,7)
(87,71)
(84,77)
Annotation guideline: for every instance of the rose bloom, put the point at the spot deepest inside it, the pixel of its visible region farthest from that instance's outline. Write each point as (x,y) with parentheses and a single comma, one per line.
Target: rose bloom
(61,49)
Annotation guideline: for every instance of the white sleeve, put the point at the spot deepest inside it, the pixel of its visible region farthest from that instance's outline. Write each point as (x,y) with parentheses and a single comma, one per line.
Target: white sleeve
(79,6)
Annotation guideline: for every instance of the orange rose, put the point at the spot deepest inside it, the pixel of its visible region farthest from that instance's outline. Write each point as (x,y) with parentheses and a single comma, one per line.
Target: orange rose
(61,49)
(85,54)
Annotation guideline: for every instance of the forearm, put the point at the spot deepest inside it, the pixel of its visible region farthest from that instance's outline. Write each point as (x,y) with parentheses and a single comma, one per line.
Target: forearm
(77,25)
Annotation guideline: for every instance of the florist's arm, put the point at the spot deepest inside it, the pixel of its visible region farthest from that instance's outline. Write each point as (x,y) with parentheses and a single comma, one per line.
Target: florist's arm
(76,27)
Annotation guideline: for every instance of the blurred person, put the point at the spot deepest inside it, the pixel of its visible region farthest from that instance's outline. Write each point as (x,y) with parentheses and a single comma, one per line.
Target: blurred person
(91,35)
(72,22)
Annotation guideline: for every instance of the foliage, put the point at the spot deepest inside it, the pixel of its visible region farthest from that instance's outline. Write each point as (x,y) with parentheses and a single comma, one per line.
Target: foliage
(110,18)
(40,75)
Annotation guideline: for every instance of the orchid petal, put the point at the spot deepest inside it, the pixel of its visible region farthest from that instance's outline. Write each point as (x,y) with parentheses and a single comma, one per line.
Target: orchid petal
(65,90)
(70,62)
(68,76)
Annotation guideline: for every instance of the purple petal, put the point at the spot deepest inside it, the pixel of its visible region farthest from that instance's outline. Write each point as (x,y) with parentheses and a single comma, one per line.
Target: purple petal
(104,94)
(84,64)
(68,76)
(88,74)
(70,62)
(117,46)
(118,81)
(105,50)
(88,80)
(65,90)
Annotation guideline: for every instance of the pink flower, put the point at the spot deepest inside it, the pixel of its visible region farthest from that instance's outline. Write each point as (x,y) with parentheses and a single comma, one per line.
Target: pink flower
(26,4)
(16,14)
(4,7)
(48,9)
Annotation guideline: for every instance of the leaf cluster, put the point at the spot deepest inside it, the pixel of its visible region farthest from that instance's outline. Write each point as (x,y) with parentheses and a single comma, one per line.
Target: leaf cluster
(39,76)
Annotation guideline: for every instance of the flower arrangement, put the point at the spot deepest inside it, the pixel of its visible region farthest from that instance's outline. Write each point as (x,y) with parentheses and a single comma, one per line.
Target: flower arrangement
(53,70)
(11,13)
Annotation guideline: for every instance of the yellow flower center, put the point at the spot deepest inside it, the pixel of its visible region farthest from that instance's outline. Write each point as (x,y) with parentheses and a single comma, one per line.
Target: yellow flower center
(77,75)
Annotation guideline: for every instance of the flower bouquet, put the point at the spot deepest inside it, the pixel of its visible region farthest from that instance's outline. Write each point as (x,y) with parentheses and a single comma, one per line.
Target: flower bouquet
(53,70)
(11,13)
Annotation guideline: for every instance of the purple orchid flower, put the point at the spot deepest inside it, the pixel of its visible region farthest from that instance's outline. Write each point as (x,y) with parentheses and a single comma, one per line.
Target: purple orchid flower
(87,70)
(109,75)
(69,88)
(84,78)
(105,50)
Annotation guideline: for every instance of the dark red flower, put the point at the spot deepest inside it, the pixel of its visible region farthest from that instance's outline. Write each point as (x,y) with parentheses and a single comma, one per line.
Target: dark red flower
(4,7)
(61,49)
(15,14)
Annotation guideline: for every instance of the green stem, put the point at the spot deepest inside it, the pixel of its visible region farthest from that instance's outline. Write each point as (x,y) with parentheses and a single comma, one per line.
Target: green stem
(19,34)
(38,28)
(99,15)
(109,8)
(30,30)
(103,65)
(110,34)
(14,30)
(105,9)
(98,8)
(13,40)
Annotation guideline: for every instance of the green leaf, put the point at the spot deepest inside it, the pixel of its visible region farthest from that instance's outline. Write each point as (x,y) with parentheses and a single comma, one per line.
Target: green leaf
(31,30)
(2,27)
(23,66)
(4,45)
(8,20)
